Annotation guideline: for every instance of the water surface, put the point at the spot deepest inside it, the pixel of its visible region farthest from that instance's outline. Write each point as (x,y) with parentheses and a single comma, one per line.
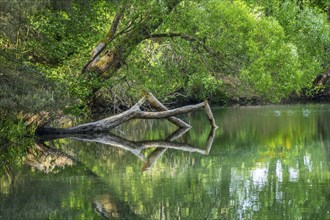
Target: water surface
(270,162)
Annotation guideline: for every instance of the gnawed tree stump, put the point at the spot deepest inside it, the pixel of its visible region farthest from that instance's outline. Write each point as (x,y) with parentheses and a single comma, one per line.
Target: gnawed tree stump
(135,113)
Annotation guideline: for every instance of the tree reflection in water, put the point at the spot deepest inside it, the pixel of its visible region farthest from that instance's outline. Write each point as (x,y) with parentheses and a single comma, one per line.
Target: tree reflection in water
(49,159)
(265,163)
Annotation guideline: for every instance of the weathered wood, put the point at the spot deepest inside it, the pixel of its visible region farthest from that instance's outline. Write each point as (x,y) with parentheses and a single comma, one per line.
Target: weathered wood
(157,105)
(209,114)
(169,113)
(134,112)
(111,54)
(97,126)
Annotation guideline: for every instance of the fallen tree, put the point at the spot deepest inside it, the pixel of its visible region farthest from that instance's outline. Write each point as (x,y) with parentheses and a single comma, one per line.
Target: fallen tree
(135,112)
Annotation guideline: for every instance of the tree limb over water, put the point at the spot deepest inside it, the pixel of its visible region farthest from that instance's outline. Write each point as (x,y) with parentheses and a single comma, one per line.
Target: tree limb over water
(135,112)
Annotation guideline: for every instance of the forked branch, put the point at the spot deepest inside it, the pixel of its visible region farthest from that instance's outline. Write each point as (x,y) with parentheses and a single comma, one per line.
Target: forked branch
(135,113)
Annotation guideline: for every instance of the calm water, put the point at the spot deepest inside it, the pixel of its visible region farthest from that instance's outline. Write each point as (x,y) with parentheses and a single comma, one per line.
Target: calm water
(268,162)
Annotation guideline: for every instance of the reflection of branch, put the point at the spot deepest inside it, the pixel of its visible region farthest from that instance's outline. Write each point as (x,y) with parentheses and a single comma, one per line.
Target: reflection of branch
(122,208)
(170,145)
(158,152)
(153,157)
(136,147)
(113,140)
(209,142)
(176,134)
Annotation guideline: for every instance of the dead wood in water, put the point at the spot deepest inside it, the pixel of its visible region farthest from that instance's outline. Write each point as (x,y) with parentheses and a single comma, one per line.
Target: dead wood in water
(135,113)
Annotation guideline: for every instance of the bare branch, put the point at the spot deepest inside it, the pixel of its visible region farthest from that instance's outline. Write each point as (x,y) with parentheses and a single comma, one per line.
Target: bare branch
(134,112)
(169,113)
(157,105)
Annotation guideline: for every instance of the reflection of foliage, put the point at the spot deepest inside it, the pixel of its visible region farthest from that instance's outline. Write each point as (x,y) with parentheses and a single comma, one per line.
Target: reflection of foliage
(13,147)
(47,160)
(11,161)
(180,183)
(271,127)
(264,164)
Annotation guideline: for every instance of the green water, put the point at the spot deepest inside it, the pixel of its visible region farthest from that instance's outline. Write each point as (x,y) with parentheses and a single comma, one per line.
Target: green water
(269,162)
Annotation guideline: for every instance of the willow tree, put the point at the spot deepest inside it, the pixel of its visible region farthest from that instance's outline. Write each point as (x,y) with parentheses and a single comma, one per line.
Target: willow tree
(217,47)
(218,50)
(133,23)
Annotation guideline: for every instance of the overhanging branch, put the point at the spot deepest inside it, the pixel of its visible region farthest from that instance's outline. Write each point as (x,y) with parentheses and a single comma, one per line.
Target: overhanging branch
(172,34)
(199,41)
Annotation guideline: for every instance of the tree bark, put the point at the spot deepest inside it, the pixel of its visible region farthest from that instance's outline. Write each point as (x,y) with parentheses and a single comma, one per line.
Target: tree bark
(322,79)
(157,105)
(134,113)
(111,53)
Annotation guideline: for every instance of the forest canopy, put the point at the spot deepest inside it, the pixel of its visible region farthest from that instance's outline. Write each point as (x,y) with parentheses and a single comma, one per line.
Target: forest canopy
(79,55)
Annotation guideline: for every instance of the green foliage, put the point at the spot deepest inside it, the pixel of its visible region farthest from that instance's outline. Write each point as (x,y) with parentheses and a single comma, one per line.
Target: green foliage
(254,50)
(63,33)
(201,86)
(11,131)
(231,49)
(249,50)
(307,32)
(23,89)
(47,57)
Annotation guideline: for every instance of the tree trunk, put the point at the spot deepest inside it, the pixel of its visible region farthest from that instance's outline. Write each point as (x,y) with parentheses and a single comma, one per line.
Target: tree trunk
(111,53)
(134,113)
(322,79)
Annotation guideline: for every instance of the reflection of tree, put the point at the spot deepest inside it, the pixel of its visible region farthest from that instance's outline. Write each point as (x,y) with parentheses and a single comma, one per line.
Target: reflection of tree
(231,183)
(11,158)
(323,127)
(47,159)
(109,205)
(136,147)
(222,201)
(8,178)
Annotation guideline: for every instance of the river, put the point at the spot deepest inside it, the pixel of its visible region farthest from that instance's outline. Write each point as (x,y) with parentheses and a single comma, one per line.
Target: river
(264,162)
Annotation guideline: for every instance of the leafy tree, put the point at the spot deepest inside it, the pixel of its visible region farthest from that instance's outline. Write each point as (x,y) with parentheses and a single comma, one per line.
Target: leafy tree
(179,49)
